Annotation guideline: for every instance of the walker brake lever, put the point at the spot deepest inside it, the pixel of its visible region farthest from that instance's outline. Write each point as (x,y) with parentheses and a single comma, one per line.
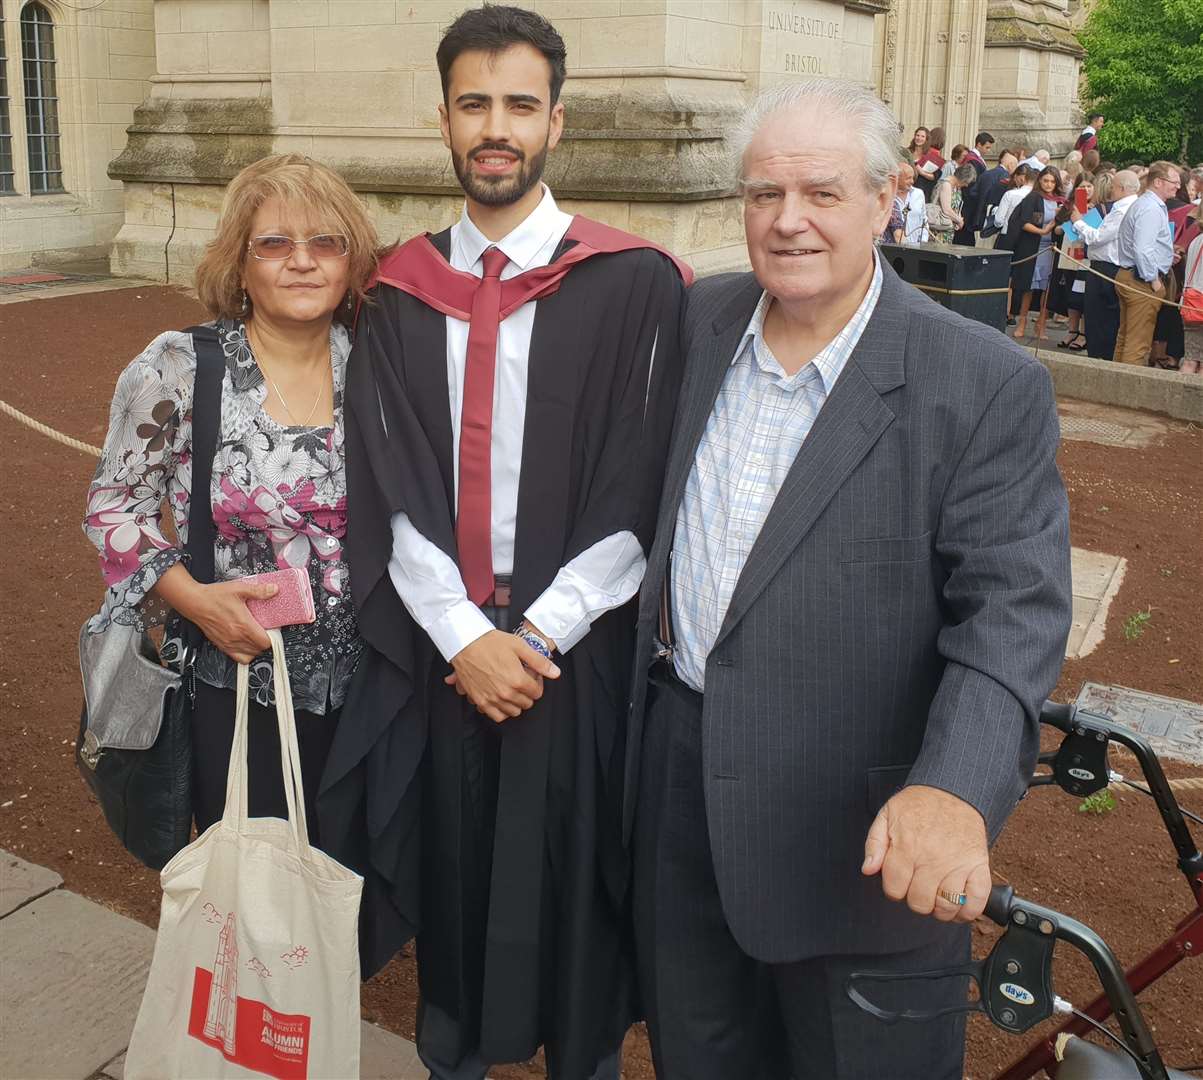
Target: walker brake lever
(1014,982)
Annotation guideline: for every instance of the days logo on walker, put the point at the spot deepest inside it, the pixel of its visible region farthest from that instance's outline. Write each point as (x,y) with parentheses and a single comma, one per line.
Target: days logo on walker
(1081,774)
(1017,994)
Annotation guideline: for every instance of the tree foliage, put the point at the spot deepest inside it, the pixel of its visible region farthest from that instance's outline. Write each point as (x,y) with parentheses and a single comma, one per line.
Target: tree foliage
(1144,72)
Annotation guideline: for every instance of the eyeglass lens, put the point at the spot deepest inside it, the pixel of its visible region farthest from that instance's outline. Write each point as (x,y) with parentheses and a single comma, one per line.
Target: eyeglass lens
(323,246)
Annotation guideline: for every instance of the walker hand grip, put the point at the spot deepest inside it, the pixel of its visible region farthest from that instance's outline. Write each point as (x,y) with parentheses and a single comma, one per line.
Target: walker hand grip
(998,907)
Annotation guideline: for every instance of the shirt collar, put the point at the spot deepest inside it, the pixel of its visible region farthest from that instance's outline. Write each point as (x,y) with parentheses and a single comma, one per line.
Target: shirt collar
(830,360)
(522,243)
(1125,202)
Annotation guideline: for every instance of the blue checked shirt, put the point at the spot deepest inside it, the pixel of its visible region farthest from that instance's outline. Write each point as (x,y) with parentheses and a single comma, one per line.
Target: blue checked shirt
(760,420)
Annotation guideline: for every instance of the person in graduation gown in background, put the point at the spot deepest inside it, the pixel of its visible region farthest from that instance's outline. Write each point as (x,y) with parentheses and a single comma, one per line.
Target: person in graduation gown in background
(510,400)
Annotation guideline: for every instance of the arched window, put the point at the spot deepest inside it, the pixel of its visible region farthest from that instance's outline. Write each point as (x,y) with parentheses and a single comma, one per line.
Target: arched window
(41,100)
(7,185)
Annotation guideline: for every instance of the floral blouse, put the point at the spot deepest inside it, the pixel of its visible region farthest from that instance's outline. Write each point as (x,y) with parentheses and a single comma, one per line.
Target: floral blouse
(279,499)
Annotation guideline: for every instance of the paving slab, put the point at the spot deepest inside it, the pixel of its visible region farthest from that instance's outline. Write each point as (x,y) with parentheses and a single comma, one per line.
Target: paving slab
(22,294)
(70,985)
(21,881)
(385,1056)
(1112,425)
(1096,578)
(1173,727)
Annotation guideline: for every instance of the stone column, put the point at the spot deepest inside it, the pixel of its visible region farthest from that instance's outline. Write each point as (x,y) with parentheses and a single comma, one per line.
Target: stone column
(209,107)
(1030,85)
(930,70)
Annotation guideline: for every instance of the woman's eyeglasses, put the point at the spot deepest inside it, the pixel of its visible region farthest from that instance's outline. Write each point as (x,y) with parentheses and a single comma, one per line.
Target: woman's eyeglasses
(276,248)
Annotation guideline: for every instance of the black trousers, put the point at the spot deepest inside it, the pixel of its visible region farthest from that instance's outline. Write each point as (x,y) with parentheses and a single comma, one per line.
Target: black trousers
(212,737)
(714,1012)
(1101,311)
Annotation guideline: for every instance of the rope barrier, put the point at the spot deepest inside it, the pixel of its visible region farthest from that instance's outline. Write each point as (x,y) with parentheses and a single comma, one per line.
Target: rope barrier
(1118,284)
(57,436)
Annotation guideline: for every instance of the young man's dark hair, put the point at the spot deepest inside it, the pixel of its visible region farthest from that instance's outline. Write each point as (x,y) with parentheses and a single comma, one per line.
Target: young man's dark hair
(1093,117)
(495,28)
(983,138)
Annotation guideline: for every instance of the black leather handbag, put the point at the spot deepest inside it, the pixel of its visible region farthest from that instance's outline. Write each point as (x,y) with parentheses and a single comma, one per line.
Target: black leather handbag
(135,729)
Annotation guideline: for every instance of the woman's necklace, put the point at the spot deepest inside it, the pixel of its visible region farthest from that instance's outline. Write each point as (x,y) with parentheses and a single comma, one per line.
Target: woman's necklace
(313,409)
(291,415)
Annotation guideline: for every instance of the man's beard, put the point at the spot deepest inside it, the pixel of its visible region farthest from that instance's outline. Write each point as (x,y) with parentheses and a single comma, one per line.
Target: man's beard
(499,190)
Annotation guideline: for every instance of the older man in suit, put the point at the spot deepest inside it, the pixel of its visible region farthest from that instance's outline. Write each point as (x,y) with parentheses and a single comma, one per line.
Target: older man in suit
(856,603)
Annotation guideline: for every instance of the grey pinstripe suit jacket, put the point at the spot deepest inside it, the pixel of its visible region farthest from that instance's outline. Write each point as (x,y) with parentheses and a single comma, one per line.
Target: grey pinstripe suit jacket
(900,619)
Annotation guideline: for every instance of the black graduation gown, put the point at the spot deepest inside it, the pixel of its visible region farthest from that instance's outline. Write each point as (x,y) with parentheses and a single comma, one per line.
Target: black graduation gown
(538,954)
(1024,244)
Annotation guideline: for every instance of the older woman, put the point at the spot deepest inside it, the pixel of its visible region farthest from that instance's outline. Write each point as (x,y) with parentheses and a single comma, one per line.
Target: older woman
(949,199)
(290,261)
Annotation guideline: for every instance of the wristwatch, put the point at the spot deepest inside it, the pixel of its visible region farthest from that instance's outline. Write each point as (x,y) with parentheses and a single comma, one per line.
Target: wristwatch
(535,641)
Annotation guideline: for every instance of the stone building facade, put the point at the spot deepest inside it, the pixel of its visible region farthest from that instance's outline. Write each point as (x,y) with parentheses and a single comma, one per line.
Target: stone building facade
(653,86)
(71,76)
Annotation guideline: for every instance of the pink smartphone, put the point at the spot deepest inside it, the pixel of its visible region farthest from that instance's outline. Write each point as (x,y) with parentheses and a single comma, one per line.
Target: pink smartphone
(292,604)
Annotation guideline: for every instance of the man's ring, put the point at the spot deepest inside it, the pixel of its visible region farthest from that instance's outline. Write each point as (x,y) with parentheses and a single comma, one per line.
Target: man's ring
(958,898)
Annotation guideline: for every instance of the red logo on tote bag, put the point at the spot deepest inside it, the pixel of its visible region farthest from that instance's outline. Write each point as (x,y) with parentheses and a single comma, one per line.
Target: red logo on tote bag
(244,1030)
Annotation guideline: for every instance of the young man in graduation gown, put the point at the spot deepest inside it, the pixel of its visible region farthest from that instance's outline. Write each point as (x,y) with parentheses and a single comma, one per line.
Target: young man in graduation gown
(509,407)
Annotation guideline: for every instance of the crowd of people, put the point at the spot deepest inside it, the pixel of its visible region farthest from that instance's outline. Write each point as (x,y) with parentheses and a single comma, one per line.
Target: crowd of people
(1108,253)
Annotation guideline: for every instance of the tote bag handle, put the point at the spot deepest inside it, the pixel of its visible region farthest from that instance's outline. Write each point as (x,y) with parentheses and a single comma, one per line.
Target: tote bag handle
(236,815)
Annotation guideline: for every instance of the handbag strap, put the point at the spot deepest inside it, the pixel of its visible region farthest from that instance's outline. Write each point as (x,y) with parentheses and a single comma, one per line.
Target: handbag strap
(1190,270)
(206,424)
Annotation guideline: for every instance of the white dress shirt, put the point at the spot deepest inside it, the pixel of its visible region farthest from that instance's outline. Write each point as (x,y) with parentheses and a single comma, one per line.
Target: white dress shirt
(759,422)
(1103,239)
(1006,205)
(1145,244)
(428,581)
(914,218)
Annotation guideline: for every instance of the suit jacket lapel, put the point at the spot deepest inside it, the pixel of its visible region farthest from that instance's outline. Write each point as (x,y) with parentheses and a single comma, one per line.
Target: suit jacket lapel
(714,348)
(849,424)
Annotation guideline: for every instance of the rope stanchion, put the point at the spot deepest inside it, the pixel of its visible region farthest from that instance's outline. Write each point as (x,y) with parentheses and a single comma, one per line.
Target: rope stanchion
(49,432)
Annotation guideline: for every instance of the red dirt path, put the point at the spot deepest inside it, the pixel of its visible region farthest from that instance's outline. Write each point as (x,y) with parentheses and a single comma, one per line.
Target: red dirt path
(59,359)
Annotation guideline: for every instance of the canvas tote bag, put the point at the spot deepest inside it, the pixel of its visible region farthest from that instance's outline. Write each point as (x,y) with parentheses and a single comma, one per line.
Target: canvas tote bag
(256,963)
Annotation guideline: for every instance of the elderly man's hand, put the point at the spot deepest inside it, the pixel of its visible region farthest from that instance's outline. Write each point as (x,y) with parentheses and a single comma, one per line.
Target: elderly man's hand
(924,841)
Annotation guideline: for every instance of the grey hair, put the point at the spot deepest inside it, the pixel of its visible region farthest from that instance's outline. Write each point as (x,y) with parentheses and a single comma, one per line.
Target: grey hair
(879,131)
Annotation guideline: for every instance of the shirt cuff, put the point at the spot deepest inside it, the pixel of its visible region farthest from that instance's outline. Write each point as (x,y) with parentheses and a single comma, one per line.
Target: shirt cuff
(457,628)
(561,616)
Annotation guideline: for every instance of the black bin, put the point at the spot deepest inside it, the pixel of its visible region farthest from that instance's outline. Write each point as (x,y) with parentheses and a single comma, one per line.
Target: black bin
(968,280)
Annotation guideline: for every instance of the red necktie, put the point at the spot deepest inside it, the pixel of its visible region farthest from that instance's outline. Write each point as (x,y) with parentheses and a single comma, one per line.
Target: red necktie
(473,521)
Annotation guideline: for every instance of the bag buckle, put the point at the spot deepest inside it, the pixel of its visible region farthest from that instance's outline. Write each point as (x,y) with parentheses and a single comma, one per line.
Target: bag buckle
(90,750)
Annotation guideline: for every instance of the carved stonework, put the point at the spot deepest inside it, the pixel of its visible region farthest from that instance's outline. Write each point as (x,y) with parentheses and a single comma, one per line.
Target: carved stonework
(1019,23)
(890,55)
